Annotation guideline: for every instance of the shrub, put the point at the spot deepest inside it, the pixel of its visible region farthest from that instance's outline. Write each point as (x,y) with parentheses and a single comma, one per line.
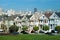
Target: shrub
(13,28)
(35,28)
(45,27)
(57,28)
(25,28)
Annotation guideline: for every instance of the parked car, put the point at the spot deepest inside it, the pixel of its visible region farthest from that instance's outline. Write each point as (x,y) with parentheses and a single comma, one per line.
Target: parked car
(24,32)
(50,31)
(1,30)
(41,31)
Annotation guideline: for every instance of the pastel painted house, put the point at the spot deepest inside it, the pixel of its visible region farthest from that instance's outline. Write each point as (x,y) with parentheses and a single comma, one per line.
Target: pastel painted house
(35,19)
(58,20)
(53,20)
(43,20)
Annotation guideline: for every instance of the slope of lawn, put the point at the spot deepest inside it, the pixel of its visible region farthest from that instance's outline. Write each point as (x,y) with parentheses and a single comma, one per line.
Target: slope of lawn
(29,37)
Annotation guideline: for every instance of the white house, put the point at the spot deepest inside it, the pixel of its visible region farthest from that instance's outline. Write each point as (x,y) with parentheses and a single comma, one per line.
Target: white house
(35,19)
(53,20)
(17,19)
(58,21)
(43,20)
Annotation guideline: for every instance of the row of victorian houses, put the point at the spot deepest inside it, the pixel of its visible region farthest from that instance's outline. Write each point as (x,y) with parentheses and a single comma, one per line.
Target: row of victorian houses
(52,19)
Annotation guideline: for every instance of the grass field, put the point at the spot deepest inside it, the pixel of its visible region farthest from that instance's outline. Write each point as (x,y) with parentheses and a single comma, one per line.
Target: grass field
(29,37)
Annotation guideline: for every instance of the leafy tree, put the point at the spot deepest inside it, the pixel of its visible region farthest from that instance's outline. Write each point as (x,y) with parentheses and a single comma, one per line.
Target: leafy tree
(35,28)
(57,28)
(45,27)
(13,28)
(25,28)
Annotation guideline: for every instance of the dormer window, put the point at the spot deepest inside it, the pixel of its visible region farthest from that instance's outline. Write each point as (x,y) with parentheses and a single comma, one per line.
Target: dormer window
(17,18)
(41,21)
(54,16)
(43,16)
(45,21)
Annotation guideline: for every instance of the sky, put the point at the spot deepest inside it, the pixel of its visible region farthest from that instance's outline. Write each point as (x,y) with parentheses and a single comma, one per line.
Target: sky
(30,4)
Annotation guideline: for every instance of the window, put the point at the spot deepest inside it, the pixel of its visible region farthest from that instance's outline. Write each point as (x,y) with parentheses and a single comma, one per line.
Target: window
(51,26)
(54,16)
(43,16)
(41,21)
(45,21)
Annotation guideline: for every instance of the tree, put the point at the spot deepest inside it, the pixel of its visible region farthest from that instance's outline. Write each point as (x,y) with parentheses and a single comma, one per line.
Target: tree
(45,27)
(3,27)
(13,28)
(25,28)
(35,28)
(57,28)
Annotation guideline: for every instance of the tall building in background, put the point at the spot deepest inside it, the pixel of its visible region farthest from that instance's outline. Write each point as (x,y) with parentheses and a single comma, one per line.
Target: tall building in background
(35,10)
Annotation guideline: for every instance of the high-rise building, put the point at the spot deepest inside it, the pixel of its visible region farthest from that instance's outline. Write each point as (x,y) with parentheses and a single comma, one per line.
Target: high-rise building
(35,10)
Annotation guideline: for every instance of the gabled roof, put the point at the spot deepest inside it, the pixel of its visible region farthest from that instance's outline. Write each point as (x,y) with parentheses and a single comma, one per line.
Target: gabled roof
(28,16)
(20,17)
(53,16)
(43,17)
(48,14)
(57,13)
(36,16)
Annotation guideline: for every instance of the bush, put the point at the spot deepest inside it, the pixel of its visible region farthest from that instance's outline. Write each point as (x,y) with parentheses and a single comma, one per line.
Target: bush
(36,28)
(25,28)
(57,28)
(45,28)
(13,28)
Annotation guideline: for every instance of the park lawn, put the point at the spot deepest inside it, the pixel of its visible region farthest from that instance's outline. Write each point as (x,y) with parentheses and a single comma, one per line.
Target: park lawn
(29,37)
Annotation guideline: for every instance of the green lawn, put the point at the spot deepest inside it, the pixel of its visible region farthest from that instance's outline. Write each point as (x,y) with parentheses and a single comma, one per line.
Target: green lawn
(29,37)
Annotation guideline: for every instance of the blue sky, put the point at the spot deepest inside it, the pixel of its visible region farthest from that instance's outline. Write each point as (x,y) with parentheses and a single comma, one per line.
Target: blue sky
(30,4)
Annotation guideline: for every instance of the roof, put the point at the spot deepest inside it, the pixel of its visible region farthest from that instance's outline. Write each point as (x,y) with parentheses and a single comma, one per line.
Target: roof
(48,14)
(28,16)
(36,16)
(20,17)
(57,13)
